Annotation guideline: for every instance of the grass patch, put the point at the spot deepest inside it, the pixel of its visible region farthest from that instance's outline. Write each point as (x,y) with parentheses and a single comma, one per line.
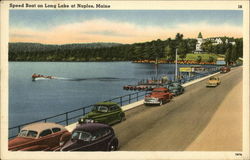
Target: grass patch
(205,57)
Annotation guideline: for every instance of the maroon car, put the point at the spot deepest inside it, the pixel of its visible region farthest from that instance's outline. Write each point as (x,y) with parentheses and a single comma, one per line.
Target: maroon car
(224,69)
(158,96)
(39,137)
(92,137)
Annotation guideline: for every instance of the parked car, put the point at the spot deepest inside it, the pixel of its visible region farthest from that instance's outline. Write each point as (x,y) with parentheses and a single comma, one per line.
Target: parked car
(38,137)
(104,112)
(158,96)
(224,69)
(213,81)
(92,137)
(175,88)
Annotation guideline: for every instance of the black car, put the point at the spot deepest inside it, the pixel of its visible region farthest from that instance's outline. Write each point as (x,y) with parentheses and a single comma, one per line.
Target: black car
(92,137)
(175,88)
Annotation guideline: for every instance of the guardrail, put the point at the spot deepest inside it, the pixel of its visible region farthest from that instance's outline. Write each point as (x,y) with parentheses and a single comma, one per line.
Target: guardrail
(69,117)
(199,75)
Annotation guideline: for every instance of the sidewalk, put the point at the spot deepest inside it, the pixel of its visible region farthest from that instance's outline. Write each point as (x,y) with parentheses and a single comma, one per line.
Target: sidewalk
(224,131)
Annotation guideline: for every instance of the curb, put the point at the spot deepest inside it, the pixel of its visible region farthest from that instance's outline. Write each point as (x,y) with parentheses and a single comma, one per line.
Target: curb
(140,102)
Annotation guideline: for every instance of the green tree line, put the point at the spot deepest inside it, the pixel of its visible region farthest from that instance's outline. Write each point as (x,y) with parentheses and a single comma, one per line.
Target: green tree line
(161,49)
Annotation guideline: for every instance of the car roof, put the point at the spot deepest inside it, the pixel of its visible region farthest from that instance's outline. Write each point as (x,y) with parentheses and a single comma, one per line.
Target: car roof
(106,103)
(40,126)
(91,127)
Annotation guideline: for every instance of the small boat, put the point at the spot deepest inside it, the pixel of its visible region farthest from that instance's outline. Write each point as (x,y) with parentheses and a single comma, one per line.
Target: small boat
(39,76)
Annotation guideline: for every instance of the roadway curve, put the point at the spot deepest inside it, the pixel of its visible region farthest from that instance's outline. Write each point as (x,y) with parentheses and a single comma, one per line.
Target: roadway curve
(177,124)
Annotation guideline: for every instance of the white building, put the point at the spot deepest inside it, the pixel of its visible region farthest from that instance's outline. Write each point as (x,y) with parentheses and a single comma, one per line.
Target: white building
(215,41)
(199,42)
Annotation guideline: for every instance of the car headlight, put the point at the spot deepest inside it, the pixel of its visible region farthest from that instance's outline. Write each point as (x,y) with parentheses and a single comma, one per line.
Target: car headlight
(81,120)
(89,121)
(61,143)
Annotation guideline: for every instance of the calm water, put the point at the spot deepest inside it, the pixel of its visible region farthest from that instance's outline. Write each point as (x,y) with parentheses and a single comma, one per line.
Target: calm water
(78,84)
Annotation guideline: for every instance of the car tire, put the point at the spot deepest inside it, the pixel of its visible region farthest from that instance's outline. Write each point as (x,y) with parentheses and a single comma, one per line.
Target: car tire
(122,117)
(113,146)
(160,103)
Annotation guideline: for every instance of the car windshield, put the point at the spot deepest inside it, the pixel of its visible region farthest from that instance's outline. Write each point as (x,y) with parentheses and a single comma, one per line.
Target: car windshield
(27,133)
(171,87)
(100,108)
(175,84)
(81,135)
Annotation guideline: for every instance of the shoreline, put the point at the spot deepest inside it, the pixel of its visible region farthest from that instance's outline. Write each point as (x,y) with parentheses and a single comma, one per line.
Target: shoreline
(121,61)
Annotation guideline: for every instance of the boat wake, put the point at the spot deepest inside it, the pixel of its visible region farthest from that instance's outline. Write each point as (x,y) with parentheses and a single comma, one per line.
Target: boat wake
(88,79)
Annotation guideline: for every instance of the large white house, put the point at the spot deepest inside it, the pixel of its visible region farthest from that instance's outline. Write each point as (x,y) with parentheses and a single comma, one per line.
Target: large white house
(215,41)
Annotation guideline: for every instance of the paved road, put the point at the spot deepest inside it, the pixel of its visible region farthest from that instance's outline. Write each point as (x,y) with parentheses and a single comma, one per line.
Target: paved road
(224,131)
(175,125)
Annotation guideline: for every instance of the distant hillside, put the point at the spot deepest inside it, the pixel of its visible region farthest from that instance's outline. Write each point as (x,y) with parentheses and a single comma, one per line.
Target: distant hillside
(39,46)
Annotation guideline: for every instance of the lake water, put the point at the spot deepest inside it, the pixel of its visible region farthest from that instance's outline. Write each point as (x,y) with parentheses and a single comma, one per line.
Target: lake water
(79,84)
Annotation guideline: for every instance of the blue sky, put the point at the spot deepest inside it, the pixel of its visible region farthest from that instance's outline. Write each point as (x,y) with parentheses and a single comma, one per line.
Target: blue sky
(152,21)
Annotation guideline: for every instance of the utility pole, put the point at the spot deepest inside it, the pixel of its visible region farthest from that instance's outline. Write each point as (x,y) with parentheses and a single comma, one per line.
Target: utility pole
(176,70)
(156,68)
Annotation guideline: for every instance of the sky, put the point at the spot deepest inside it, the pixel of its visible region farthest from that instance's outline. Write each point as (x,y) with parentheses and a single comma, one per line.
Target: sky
(120,26)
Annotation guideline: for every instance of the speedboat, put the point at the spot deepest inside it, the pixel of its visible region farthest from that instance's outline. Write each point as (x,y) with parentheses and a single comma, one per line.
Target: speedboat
(39,76)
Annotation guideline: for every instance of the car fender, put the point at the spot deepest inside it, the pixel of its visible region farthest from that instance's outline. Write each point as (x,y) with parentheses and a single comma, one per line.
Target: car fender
(113,140)
(64,138)
(36,148)
(122,114)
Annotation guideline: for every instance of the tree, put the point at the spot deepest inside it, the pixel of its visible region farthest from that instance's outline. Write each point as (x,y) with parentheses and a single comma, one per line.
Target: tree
(210,59)
(239,47)
(198,59)
(169,52)
(182,50)
(228,55)
(234,55)
(191,45)
(207,46)
(179,37)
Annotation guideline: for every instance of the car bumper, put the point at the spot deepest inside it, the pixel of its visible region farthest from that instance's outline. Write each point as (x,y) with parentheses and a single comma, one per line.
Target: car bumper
(211,85)
(151,102)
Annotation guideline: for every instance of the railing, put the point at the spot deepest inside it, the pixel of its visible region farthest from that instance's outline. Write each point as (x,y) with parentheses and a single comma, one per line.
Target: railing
(71,116)
(199,75)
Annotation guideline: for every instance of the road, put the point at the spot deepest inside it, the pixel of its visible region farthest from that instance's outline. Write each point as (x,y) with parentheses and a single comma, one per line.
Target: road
(178,124)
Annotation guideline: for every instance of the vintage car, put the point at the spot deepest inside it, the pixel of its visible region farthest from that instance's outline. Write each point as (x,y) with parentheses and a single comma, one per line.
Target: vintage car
(91,137)
(104,112)
(175,88)
(213,81)
(158,96)
(39,137)
(224,69)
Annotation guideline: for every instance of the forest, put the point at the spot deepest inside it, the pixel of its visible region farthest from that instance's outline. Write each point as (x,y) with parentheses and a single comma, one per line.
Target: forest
(92,52)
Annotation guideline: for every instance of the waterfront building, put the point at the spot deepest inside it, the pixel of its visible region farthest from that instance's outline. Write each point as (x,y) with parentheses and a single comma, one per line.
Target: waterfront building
(199,42)
(215,41)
